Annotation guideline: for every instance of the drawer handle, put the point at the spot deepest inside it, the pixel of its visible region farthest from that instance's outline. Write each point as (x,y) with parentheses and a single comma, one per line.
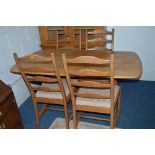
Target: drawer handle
(2,126)
(1,114)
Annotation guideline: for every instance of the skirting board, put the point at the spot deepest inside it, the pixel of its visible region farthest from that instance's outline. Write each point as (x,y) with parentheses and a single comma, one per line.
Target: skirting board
(148,76)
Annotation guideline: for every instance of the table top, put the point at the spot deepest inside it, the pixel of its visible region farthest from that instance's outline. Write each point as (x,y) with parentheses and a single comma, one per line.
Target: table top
(127,65)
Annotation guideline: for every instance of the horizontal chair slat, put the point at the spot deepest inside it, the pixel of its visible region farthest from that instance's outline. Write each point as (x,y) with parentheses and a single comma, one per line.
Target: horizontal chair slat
(35,57)
(92,95)
(88,72)
(38,69)
(91,84)
(98,48)
(42,79)
(46,89)
(101,32)
(49,100)
(99,39)
(88,60)
(95,118)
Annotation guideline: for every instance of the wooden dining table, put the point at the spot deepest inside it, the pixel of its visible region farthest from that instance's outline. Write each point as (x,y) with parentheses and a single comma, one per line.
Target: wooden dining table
(127,65)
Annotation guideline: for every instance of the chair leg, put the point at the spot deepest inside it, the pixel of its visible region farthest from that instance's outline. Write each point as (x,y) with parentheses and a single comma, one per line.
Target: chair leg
(66,116)
(37,115)
(38,122)
(74,119)
(112,121)
(119,103)
(111,124)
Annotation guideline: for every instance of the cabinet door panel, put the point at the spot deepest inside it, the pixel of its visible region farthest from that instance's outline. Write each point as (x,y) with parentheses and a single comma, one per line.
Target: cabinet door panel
(51,31)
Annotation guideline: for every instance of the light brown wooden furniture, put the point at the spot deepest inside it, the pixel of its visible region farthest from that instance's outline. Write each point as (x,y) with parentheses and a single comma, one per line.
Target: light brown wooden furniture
(127,65)
(68,39)
(48,35)
(45,90)
(99,39)
(91,94)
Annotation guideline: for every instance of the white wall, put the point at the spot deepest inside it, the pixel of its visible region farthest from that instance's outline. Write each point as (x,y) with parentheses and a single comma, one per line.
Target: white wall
(141,40)
(22,40)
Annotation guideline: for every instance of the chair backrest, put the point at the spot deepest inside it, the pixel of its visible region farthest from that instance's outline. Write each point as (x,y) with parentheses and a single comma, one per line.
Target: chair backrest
(31,68)
(100,39)
(91,72)
(68,39)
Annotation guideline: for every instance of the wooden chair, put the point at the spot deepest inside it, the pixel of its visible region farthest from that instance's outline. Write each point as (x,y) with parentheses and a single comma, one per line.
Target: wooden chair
(100,40)
(94,90)
(45,90)
(68,39)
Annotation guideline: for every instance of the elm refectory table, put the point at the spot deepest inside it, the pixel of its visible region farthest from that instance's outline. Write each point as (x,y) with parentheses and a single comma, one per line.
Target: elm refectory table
(127,64)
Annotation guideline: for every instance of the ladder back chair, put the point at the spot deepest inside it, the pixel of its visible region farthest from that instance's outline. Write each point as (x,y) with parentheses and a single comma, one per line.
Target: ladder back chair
(45,90)
(100,39)
(94,90)
(68,39)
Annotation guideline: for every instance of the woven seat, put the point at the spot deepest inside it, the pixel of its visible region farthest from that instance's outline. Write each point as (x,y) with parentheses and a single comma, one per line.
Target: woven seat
(97,102)
(53,95)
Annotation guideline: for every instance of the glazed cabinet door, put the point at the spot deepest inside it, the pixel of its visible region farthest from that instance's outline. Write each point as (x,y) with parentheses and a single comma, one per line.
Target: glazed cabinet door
(48,34)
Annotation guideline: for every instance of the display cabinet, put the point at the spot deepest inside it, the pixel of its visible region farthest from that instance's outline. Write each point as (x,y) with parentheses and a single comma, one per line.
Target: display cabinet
(48,34)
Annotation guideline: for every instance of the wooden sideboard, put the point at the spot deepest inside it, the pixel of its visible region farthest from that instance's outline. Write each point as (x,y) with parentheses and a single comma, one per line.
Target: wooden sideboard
(48,34)
(9,114)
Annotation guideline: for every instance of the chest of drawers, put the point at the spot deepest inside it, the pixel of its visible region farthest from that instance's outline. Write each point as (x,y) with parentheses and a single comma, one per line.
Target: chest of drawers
(9,114)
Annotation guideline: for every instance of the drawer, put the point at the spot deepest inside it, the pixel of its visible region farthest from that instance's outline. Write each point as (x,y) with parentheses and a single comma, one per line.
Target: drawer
(10,114)
(11,120)
(7,105)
